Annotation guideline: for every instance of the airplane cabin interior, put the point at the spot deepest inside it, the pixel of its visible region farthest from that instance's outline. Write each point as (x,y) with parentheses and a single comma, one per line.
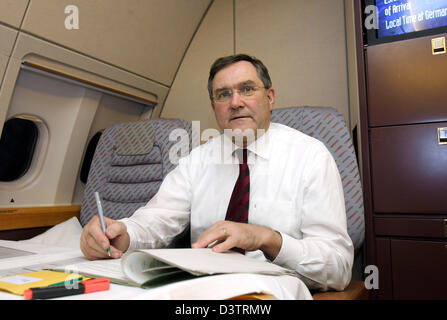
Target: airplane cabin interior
(365,77)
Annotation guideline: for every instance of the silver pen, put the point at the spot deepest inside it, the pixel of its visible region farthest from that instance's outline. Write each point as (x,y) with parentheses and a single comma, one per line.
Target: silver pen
(101,216)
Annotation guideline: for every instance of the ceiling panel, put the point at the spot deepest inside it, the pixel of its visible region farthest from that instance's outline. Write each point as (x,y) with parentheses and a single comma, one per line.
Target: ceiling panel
(12,11)
(147,37)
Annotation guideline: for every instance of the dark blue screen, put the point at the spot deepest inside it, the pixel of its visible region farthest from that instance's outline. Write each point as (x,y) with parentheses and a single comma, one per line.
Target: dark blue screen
(403,16)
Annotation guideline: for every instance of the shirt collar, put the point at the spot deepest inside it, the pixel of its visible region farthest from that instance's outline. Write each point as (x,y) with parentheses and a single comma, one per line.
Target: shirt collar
(260,147)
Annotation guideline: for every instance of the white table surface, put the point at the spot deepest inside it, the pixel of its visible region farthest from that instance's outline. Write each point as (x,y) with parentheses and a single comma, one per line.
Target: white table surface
(66,235)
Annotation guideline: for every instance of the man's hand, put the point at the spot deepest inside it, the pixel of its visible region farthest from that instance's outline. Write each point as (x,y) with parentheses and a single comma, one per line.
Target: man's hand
(245,236)
(94,243)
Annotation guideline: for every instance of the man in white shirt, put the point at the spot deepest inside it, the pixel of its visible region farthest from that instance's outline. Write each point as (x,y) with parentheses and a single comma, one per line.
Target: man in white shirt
(294,202)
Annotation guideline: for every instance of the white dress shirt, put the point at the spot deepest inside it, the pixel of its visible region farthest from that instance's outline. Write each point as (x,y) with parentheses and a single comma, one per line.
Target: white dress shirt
(295,189)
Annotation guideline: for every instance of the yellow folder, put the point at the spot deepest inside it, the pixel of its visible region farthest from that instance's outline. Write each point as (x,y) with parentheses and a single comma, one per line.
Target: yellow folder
(17,284)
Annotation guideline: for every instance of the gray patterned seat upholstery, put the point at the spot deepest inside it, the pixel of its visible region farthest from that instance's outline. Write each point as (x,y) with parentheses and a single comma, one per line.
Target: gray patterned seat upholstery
(129,164)
(328,125)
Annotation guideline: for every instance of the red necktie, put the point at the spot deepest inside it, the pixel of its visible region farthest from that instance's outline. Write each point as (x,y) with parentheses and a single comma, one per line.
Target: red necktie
(238,207)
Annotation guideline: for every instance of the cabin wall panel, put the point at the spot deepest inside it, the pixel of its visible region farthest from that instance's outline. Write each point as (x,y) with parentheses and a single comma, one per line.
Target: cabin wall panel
(7,37)
(188,97)
(57,183)
(3,64)
(306,56)
(66,111)
(12,11)
(147,38)
(65,61)
(61,60)
(303,44)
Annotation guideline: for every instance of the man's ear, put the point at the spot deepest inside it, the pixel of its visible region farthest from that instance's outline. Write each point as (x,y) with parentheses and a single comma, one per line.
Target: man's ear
(271,97)
(213,106)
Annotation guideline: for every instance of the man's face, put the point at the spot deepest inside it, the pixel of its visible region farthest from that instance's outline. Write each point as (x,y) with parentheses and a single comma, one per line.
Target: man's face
(242,112)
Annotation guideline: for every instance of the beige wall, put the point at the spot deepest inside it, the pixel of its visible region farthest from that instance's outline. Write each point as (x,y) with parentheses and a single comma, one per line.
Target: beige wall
(7,38)
(306,56)
(131,46)
(145,37)
(188,98)
(12,11)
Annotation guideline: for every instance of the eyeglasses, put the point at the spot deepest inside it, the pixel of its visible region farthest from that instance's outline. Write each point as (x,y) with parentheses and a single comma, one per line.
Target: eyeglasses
(225,95)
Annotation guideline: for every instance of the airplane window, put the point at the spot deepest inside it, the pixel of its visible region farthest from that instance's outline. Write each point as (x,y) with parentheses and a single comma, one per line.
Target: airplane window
(17,146)
(88,157)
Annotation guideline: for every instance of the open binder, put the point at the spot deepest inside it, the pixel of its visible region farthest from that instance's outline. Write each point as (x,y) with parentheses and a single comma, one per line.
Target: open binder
(153,267)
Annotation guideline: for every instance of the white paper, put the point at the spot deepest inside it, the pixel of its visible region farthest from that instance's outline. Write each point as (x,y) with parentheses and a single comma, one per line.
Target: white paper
(109,268)
(6,253)
(37,261)
(206,261)
(19,280)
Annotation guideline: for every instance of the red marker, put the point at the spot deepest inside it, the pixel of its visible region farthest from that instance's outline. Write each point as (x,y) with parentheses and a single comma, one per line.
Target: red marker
(87,286)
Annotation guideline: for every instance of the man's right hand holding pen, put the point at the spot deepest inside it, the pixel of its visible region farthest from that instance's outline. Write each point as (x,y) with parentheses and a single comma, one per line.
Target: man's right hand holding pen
(94,243)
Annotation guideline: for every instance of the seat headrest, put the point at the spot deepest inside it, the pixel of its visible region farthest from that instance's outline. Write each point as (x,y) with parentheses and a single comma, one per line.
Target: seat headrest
(136,138)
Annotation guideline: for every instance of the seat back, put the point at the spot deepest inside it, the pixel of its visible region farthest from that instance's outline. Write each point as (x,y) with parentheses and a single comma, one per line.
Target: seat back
(129,164)
(328,125)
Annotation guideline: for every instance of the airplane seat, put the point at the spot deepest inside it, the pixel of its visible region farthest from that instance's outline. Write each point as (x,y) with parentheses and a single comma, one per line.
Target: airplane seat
(129,165)
(328,125)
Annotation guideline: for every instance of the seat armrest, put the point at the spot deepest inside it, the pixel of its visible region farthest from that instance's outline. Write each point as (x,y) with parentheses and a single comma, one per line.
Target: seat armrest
(355,291)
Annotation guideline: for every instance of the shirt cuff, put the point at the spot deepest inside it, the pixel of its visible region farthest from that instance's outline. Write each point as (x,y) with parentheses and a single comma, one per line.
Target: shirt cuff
(290,254)
(131,233)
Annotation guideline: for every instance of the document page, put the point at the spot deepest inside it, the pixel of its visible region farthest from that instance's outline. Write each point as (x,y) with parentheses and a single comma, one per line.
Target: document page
(109,268)
(6,252)
(26,258)
(205,261)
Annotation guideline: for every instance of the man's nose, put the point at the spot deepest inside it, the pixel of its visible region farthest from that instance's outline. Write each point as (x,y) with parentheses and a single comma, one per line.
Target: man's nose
(236,99)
